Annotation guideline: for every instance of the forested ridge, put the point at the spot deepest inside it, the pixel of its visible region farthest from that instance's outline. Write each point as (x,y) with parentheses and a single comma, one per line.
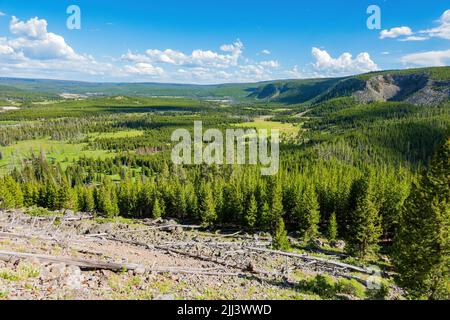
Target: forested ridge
(373,174)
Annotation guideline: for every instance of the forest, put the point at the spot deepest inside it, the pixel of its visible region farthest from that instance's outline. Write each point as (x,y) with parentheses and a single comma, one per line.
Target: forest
(375,175)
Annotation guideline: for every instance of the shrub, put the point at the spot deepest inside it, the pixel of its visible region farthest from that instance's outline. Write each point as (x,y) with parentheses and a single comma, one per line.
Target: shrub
(351,287)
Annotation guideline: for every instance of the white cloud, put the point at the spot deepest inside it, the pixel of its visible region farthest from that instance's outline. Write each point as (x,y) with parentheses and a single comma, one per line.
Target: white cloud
(35,42)
(428,59)
(199,57)
(441,31)
(35,52)
(326,65)
(385,53)
(33,28)
(414,38)
(396,32)
(270,63)
(295,73)
(2,14)
(144,69)
(266,52)
(204,66)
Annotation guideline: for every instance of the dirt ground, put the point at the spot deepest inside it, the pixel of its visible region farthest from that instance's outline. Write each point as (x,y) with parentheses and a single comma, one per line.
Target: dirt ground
(159,260)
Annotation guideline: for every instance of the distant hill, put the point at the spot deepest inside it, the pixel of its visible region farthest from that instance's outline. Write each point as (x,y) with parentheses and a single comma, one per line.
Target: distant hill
(57,87)
(417,86)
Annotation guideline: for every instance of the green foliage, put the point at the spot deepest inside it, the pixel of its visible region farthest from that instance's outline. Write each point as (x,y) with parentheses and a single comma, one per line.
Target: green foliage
(279,238)
(364,221)
(351,287)
(207,210)
(332,229)
(307,212)
(251,214)
(11,195)
(422,247)
(328,288)
(379,294)
(41,212)
(111,156)
(157,210)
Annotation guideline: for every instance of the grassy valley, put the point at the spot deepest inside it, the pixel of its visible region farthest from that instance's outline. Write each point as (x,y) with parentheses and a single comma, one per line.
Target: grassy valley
(360,164)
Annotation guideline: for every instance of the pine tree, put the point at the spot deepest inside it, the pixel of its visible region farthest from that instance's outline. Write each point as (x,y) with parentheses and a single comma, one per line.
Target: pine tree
(106,200)
(332,230)
(277,210)
(279,238)
(264,216)
(365,222)
(207,210)
(157,209)
(6,197)
(307,212)
(422,246)
(252,212)
(85,199)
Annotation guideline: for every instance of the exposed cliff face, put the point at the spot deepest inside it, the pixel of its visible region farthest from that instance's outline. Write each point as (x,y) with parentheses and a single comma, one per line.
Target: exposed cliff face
(416,88)
(413,88)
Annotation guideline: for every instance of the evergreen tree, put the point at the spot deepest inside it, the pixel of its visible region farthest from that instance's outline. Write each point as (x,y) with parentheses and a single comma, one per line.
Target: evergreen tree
(252,212)
(332,230)
(422,246)
(277,211)
(85,199)
(207,210)
(307,212)
(264,216)
(365,222)
(157,208)
(279,237)
(106,200)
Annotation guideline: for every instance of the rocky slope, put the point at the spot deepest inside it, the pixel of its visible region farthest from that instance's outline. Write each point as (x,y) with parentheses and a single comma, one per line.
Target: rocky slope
(419,87)
(75,256)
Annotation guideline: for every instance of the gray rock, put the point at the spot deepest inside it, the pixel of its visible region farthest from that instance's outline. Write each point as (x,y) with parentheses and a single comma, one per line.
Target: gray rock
(339,244)
(140,271)
(165,297)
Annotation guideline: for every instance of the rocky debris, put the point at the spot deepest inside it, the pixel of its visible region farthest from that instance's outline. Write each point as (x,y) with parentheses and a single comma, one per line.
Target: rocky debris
(165,297)
(339,244)
(316,243)
(142,245)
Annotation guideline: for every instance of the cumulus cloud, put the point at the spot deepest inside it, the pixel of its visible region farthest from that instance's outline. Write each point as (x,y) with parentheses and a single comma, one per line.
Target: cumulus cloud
(326,65)
(406,34)
(266,52)
(229,56)
(2,14)
(270,63)
(34,51)
(441,31)
(204,66)
(144,69)
(428,59)
(396,32)
(35,42)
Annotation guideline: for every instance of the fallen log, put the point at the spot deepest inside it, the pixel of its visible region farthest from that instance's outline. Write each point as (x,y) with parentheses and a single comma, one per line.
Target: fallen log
(85,264)
(81,263)
(310,258)
(22,236)
(175,226)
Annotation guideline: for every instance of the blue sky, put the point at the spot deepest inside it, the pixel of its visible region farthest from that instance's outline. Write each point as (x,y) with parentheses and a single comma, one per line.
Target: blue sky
(218,42)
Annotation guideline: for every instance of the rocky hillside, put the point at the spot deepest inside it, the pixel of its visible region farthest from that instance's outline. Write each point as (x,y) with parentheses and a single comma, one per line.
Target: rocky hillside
(67,255)
(419,86)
